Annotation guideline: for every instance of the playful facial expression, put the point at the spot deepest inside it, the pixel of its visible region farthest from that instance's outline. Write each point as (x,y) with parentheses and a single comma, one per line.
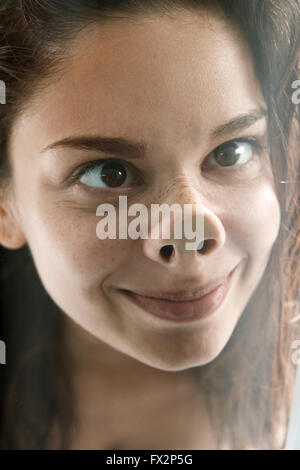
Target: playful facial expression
(168,84)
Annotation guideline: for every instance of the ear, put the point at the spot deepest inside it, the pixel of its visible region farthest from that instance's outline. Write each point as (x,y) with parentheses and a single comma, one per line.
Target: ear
(11,234)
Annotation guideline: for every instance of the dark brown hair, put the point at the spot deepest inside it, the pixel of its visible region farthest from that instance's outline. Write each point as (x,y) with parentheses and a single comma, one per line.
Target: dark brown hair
(249,386)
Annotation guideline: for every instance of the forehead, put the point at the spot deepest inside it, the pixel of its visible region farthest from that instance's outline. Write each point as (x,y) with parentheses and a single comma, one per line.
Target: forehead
(155,75)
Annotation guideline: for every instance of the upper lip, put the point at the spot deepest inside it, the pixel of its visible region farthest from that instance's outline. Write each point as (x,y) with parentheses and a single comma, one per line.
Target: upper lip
(183,295)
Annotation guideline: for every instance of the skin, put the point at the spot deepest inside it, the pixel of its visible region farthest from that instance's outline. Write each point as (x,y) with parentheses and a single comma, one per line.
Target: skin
(140,80)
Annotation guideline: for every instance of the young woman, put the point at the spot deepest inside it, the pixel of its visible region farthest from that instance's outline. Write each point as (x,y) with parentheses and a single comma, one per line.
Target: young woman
(124,343)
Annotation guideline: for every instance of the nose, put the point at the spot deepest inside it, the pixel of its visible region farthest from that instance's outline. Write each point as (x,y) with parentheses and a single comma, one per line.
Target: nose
(178,249)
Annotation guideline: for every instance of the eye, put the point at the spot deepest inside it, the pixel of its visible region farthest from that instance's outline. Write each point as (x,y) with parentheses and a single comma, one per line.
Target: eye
(108,173)
(235,152)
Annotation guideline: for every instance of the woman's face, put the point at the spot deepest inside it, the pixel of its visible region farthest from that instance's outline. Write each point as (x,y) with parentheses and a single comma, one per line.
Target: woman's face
(171,85)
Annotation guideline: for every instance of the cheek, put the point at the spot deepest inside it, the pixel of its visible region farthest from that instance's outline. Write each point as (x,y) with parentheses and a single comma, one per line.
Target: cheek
(253,221)
(65,245)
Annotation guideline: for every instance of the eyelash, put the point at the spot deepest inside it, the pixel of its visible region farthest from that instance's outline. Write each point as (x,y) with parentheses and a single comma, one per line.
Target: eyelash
(254,142)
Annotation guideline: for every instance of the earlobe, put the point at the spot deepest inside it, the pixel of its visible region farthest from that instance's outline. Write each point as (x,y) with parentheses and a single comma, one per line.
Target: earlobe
(11,235)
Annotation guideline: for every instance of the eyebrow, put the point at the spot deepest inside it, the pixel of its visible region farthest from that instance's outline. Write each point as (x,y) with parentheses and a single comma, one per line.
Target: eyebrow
(134,149)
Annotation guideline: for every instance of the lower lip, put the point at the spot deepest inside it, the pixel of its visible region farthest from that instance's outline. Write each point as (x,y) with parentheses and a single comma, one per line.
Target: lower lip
(184,311)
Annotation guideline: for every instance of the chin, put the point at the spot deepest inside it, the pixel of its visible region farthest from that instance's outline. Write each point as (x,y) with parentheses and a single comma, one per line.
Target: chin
(179,363)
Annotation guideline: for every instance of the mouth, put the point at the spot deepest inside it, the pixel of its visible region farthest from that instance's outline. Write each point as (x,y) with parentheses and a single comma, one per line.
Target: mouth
(182,308)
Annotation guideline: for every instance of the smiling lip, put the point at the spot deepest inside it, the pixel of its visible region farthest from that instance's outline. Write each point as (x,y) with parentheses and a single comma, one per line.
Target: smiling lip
(194,308)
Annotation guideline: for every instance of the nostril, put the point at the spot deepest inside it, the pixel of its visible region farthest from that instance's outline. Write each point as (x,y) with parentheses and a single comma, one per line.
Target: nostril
(166,251)
(208,245)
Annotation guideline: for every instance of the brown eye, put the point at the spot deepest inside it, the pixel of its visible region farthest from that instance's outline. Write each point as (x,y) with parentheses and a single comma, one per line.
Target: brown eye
(113,174)
(234,153)
(108,174)
(229,154)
